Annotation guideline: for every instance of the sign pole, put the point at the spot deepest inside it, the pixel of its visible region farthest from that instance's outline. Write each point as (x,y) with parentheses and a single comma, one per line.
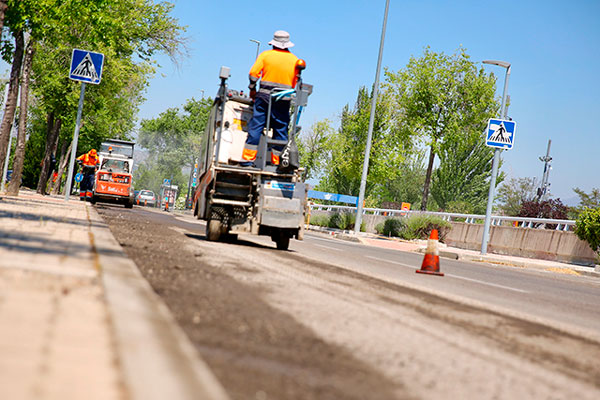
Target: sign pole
(75,139)
(495,162)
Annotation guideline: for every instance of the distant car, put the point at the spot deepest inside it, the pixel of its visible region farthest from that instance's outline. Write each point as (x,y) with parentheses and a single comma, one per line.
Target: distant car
(146,198)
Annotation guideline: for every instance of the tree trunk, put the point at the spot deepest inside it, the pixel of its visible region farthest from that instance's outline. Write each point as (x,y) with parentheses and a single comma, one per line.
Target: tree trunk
(55,185)
(15,182)
(64,158)
(52,134)
(11,100)
(3,7)
(428,178)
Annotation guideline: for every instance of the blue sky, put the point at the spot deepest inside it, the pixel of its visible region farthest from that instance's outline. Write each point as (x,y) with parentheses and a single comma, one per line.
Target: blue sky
(553,46)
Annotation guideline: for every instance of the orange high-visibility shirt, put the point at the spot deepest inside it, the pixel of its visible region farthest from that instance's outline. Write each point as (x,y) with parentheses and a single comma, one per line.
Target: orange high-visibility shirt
(88,160)
(276,68)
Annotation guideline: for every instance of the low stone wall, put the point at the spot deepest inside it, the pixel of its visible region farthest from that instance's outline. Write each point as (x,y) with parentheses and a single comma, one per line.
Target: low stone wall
(545,244)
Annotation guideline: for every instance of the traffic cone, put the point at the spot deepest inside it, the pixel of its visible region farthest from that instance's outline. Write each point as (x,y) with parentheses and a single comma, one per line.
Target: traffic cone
(431,261)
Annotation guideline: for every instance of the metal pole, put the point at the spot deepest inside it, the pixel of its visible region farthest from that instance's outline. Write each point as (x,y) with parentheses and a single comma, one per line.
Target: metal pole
(545,177)
(495,162)
(75,139)
(257,46)
(363,180)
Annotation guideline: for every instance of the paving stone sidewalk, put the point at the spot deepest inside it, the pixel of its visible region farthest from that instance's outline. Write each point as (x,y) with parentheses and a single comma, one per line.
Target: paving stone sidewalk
(77,320)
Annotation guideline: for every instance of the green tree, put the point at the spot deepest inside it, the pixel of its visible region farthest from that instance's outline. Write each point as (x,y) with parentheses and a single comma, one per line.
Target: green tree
(464,173)
(513,193)
(173,142)
(314,147)
(407,184)
(588,227)
(439,95)
(343,167)
(128,32)
(586,200)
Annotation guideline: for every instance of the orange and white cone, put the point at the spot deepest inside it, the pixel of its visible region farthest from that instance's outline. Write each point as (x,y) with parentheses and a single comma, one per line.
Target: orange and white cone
(431,261)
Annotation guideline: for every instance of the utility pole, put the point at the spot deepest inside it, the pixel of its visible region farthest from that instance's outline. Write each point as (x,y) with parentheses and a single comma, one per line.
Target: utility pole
(542,191)
(363,180)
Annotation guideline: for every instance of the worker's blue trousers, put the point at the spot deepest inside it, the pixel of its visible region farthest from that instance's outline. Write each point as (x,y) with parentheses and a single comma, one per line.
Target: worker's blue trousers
(280,118)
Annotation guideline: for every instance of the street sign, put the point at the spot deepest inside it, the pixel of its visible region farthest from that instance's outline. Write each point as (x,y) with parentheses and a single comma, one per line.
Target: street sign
(500,133)
(166,182)
(86,66)
(79,177)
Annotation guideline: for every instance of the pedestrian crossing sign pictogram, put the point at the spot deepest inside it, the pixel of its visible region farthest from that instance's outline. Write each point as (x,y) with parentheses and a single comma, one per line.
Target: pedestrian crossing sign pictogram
(86,66)
(500,133)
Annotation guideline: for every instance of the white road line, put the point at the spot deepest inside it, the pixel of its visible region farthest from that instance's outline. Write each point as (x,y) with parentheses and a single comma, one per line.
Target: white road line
(327,247)
(323,239)
(450,275)
(393,262)
(487,283)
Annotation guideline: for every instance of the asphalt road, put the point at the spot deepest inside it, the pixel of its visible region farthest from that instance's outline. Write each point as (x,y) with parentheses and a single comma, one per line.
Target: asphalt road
(335,319)
(569,300)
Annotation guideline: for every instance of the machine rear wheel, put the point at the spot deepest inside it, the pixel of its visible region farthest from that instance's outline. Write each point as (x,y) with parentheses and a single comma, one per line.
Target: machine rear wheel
(282,241)
(213,230)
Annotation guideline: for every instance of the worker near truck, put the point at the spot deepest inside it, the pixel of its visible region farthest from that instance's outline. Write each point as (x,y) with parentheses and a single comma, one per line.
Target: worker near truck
(276,69)
(88,163)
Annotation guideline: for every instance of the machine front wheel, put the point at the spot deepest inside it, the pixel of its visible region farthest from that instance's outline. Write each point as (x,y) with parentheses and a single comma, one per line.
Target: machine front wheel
(213,230)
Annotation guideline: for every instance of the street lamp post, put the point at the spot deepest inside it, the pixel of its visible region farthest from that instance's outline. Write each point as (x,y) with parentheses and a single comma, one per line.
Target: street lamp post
(257,46)
(363,180)
(496,161)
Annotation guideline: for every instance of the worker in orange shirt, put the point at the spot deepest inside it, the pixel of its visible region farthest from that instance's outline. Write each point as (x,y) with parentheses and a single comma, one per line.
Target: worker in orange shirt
(88,162)
(276,69)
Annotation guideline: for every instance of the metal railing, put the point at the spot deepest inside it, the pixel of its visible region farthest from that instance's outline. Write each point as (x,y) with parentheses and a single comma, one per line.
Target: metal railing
(497,220)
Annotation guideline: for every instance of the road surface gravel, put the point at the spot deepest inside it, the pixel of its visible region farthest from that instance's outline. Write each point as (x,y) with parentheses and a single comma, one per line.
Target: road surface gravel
(278,325)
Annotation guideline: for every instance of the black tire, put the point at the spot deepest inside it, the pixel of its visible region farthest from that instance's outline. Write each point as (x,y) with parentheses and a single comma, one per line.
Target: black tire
(93,200)
(213,230)
(129,204)
(283,241)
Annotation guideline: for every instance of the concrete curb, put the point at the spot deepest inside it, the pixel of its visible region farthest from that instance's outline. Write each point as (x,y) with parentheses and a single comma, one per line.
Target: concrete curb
(157,359)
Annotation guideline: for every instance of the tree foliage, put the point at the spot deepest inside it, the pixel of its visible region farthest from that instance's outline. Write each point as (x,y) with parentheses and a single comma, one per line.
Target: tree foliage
(173,141)
(588,227)
(128,32)
(446,100)
(514,193)
(586,200)
(550,209)
(314,147)
(344,164)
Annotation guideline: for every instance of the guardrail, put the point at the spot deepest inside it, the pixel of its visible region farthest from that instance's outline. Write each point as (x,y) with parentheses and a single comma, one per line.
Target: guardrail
(496,220)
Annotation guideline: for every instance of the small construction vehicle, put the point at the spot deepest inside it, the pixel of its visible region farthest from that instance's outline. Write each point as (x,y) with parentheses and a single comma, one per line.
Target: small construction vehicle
(262,200)
(113,182)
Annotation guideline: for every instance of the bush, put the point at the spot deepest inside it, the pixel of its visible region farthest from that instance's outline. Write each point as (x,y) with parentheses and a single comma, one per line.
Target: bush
(343,221)
(180,203)
(379,228)
(393,227)
(588,227)
(319,220)
(420,227)
(550,209)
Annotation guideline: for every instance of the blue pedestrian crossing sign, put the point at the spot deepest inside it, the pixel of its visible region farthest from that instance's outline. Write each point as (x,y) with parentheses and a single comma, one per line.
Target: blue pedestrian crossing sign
(86,66)
(500,133)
